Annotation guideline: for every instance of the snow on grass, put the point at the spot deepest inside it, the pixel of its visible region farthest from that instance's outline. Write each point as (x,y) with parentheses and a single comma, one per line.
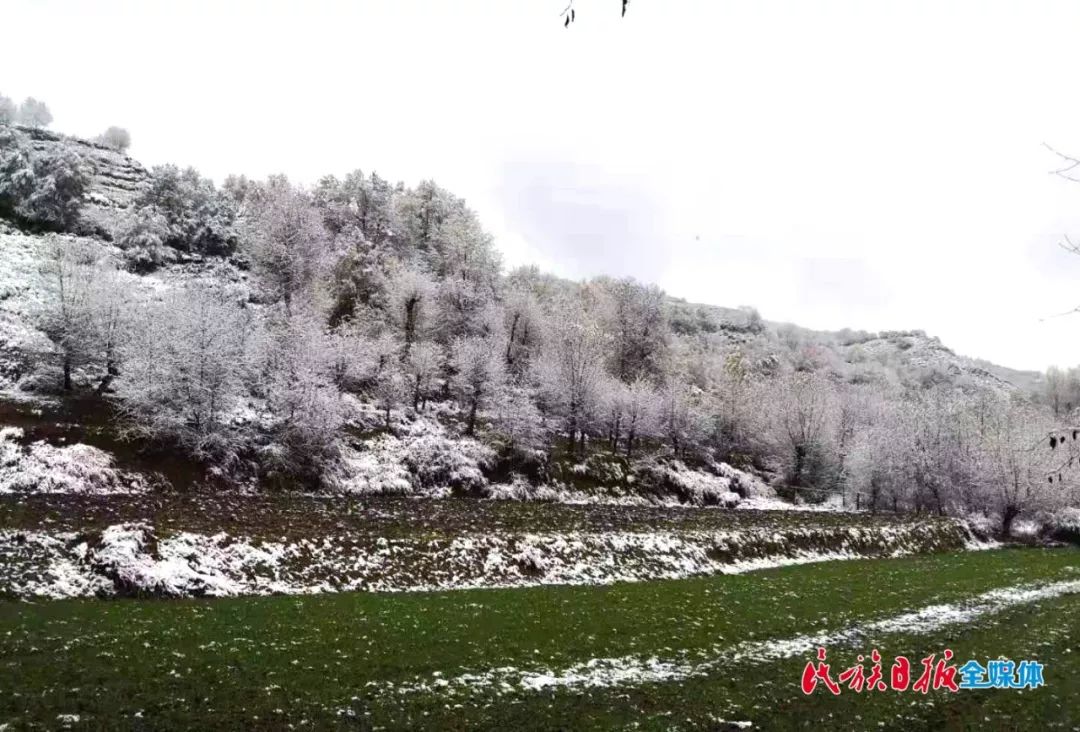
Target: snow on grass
(762,503)
(638,670)
(130,559)
(1064,525)
(43,468)
(520,489)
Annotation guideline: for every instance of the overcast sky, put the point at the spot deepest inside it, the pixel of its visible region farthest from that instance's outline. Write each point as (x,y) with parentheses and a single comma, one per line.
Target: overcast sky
(874,165)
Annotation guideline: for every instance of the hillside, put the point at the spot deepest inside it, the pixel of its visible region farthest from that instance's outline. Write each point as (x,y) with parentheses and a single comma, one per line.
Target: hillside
(382,351)
(914,353)
(117,180)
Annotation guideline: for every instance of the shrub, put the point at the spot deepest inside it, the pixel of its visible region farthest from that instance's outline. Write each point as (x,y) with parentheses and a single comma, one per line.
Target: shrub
(60,182)
(42,191)
(142,236)
(198,218)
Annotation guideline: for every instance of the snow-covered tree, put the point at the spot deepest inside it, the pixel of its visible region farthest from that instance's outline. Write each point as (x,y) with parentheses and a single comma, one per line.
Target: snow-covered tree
(116,137)
(630,412)
(515,418)
(53,194)
(570,371)
(411,298)
(641,411)
(16,171)
(287,243)
(736,421)
(108,303)
(463,308)
(523,326)
(8,110)
(466,252)
(1062,390)
(803,416)
(33,113)
(68,271)
(143,235)
(1017,475)
(422,212)
(878,475)
(634,315)
(365,203)
(940,449)
(200,219)
(299,380)
(185,365)
(424,365)
(390,388)
(680,415)
(479,375)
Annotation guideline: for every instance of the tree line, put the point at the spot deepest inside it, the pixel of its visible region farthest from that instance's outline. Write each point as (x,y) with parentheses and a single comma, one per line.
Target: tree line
(360,288)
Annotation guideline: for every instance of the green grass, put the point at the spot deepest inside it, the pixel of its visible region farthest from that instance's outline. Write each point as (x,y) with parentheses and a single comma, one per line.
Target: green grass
(190,664)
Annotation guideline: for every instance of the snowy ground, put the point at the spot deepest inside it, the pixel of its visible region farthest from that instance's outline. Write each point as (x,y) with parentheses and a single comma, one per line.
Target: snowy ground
(132,559)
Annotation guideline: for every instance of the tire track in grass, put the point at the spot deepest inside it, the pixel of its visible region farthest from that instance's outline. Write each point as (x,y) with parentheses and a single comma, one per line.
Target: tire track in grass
(637,670)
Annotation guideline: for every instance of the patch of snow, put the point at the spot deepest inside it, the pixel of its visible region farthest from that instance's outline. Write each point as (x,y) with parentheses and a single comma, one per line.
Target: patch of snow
(44,468)
(421,459)
(132,559)
(636,670)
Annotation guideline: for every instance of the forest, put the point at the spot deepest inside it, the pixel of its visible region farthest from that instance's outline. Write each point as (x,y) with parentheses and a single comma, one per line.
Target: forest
(264,329)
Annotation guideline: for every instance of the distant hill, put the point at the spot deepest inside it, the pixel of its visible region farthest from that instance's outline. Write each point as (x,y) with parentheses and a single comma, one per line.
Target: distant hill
(910,356)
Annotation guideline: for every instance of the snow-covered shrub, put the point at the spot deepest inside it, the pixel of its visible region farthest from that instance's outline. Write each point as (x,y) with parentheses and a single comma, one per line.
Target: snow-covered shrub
(1064,525)
(185,363)
(531,561)
(44,468)
(673,477)
(42,190)
(597,469)
(423,459)
(439,461)
(142,235)
(375,468)
(198,217)
(982,526)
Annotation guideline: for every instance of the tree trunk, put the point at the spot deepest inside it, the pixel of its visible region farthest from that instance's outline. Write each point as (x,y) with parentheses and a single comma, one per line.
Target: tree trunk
(800,459)
(410,323)
(67,372)
(111,372)
(510,340)
(1007,516)
(471,429)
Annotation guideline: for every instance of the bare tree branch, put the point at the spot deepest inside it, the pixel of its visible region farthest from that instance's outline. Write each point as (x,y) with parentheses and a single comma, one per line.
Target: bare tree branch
(1069,165)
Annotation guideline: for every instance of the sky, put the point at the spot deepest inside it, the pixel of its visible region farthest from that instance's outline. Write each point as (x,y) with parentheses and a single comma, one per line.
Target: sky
(873,165)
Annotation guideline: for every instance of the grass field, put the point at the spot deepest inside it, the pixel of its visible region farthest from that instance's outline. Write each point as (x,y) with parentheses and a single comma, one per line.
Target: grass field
(518,659)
